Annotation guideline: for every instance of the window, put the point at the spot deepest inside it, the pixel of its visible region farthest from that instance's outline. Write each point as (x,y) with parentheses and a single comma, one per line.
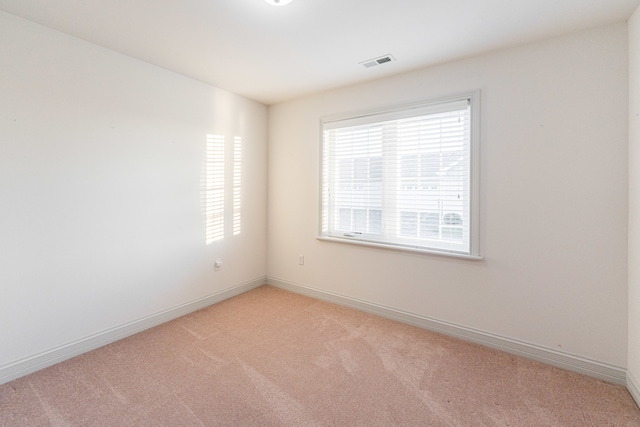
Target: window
(404,177)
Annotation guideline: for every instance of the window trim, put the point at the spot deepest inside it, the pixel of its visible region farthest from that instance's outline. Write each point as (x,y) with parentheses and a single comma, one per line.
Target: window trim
(474,185)
(399,248)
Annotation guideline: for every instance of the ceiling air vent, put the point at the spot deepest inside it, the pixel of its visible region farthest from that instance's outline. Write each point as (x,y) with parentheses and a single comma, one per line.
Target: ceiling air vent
(377,61)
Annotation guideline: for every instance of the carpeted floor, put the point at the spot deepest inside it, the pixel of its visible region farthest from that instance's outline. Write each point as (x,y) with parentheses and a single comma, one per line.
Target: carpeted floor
(273,358)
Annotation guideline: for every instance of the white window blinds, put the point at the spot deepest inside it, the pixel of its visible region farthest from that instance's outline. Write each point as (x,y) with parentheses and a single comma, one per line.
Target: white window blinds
(402,177)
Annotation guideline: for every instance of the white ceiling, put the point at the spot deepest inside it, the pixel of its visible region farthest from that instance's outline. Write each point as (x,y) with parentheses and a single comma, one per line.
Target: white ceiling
(272,54)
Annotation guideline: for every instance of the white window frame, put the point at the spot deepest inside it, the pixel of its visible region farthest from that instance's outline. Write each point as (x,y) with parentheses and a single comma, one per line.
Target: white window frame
(408,110)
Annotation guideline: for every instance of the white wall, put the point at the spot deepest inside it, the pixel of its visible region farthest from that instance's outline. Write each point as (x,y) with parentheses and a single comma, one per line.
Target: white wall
(553,200)
(101,161)
(634,206)
(101,164)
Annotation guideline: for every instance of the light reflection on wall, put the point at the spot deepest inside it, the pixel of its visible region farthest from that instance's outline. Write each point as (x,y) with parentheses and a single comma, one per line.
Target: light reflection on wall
(214,189)
(237,185)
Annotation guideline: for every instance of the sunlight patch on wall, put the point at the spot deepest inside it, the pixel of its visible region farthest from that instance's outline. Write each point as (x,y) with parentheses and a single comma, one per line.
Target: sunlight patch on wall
(237,185)
(214,189)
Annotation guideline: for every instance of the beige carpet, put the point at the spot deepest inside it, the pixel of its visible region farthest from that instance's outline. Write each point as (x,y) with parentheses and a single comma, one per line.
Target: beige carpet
(273,358)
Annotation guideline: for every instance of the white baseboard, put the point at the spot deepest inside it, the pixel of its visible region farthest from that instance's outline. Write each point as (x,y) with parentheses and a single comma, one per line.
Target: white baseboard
(48,358)
(562,360)
(633,386)
(567,361)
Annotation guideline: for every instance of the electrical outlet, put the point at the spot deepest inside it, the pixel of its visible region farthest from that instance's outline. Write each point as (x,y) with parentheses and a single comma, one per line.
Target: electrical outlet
(300,259)
(217,265)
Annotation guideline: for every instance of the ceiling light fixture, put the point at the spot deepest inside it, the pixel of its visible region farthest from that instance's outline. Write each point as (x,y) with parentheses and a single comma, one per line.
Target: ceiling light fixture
(278,2)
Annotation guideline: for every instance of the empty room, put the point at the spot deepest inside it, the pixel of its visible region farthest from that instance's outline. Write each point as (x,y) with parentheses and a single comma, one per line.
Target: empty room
(319,213)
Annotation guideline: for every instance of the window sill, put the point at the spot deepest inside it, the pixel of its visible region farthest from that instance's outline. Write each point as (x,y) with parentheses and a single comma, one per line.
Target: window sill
(400,248)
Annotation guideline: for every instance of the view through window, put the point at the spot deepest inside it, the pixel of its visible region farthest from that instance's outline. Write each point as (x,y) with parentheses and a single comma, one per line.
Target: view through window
(403,177)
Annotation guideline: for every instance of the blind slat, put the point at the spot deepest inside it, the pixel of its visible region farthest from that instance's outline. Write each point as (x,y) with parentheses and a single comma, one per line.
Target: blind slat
(400,177)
